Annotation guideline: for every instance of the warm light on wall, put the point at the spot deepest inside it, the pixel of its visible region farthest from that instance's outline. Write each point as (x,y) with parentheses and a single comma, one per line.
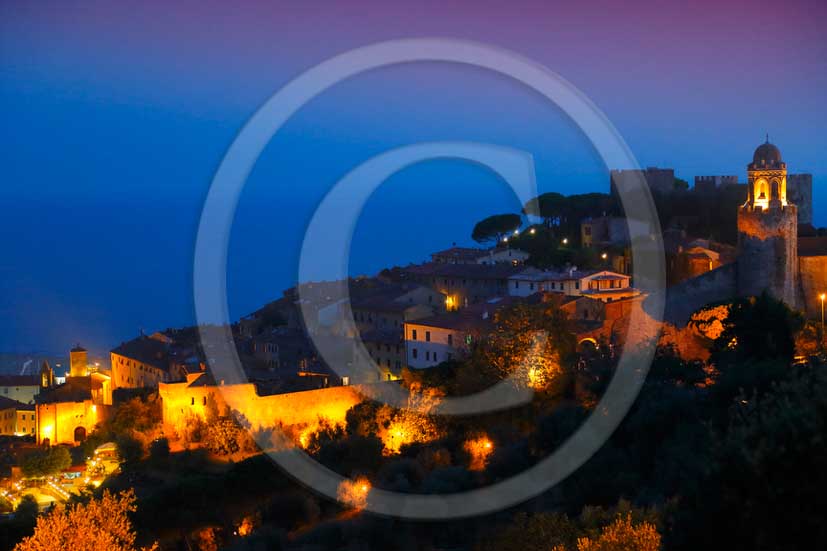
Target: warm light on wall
(354,493)
(480,449)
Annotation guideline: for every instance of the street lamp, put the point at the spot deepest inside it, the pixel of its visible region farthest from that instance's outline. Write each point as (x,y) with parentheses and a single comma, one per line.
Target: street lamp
(822,296)
(565,241)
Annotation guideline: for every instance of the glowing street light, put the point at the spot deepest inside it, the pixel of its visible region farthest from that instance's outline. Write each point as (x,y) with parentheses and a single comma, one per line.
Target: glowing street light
(565,241)
(532,231)
(822,296)
(505,239)
(516,232)
(604,256)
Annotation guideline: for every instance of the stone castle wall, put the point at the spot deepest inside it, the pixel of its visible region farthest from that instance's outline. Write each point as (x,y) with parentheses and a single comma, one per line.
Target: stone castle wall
(687,297)
(181,402)
(768,253)
(800,193)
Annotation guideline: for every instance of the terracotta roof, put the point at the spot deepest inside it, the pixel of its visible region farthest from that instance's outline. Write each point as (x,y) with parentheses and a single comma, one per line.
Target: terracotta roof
(146,350)
(468,271)
(19,380)
(464,253)
(75,389)
(8,403)
(812,246)
(477,317)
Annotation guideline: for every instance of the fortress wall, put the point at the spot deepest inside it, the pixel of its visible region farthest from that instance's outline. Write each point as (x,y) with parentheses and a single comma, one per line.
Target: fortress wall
(294,408)
(813,283)
(688,296)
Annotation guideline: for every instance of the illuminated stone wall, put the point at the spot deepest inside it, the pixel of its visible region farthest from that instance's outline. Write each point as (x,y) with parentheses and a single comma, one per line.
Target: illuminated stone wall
(130,373)
(58,421)
(768,253)
(181,401)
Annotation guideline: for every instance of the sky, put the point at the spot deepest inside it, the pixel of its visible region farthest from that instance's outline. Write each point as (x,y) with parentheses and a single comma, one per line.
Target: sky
(116,117)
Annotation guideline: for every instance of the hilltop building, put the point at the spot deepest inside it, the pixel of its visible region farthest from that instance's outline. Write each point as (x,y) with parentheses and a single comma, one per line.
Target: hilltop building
(659,180)
(494,255)
(602,285)
(770,256)
(20,388)
(68,412)
(150,359)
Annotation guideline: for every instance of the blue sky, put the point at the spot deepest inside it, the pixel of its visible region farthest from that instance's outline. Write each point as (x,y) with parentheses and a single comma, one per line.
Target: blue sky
(115,121)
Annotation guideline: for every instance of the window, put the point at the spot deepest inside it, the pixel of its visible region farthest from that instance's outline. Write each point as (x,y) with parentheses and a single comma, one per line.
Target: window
(427,336)
(531,286)
(450,339)
(413,335)
(427,356)
(204,401)
(192,401)
(576,284)
(413,353)
(516,284)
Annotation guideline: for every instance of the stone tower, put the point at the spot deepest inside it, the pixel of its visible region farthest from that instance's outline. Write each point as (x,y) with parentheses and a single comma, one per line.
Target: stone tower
(78,362)
(768,230)
(47,376)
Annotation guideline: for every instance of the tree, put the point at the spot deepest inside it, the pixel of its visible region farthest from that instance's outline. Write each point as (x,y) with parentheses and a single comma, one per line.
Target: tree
(531,342)
(100,525)
(136,415)
(42,463)
(551,207)
(223,437)
(130,450)
(27,510)
(765,484)
(159,449)
(494,228)
(681,184)
(758,328)
(623,535)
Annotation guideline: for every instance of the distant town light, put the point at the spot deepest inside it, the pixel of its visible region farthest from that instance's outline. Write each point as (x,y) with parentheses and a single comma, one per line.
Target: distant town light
(565,241)
(505,240)
(532,231)
(604,256)
(516,232)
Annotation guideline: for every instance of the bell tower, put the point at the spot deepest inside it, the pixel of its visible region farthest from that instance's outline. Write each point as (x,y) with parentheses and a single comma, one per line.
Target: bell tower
(768,230)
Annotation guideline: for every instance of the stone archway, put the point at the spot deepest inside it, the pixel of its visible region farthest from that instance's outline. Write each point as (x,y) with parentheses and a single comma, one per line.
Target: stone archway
(80,434)
(587,345)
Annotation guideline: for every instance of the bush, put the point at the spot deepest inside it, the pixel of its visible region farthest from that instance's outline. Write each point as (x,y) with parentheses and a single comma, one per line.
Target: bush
(42,463)
(159,449)
(130,450)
